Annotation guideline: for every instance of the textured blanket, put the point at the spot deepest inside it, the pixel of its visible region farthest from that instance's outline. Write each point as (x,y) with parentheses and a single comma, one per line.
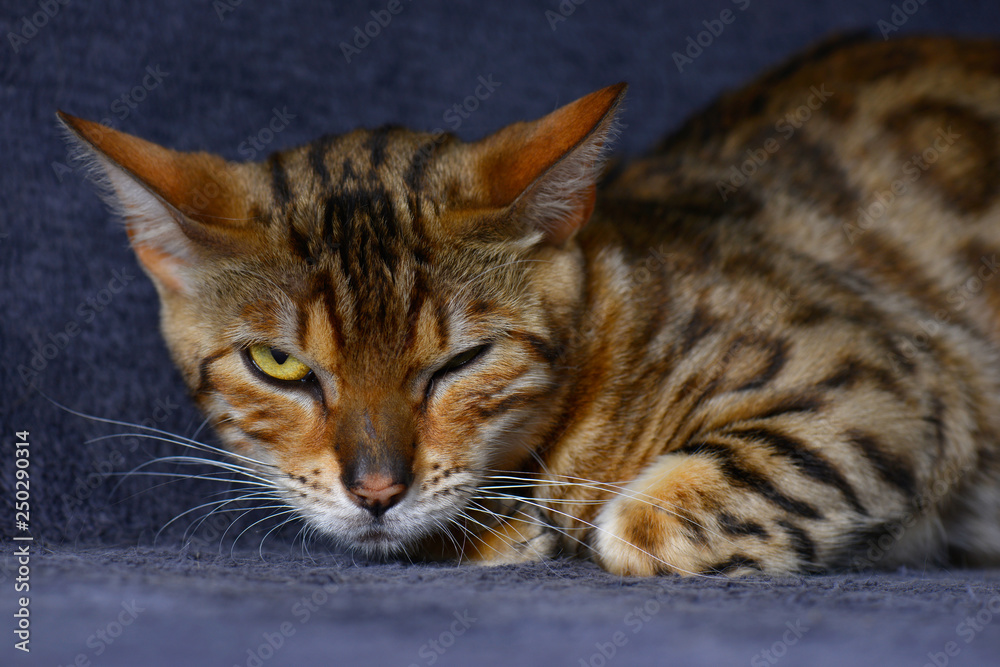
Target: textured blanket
(120,573)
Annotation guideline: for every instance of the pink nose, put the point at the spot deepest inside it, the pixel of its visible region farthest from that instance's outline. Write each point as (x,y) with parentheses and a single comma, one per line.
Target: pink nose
(377,493)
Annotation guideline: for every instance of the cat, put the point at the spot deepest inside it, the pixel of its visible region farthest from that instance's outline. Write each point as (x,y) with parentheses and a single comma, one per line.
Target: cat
(769,345)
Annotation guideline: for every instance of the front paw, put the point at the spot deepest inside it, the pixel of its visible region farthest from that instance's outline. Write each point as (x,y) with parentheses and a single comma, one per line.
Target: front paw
(522,538)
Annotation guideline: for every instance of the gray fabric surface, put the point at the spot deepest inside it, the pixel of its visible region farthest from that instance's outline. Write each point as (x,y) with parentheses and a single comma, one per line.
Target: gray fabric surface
(78,325)
(203,609)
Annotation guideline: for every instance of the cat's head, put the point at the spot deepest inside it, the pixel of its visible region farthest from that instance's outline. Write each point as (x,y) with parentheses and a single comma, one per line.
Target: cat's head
(377,318)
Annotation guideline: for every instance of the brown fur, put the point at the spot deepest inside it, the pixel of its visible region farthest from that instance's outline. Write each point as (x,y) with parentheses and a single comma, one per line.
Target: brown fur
(693,373)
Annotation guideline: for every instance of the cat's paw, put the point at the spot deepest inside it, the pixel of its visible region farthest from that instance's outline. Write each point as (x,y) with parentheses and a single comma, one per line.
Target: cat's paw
(634,541)
(660,524)
(512,541)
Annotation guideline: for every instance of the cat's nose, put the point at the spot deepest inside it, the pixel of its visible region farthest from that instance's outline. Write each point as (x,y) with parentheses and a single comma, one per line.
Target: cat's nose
(377,493)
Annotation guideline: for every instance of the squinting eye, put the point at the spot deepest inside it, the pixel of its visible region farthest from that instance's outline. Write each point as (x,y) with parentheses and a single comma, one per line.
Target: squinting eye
(456,363)
(279,365)
(463,359)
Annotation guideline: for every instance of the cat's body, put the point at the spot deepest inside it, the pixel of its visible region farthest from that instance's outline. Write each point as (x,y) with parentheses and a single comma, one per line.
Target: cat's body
(697,373)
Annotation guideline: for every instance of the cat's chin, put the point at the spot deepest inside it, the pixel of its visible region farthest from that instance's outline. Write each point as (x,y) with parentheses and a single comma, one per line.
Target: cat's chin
(379,540)
(393,540)
(429,547)
(378,544)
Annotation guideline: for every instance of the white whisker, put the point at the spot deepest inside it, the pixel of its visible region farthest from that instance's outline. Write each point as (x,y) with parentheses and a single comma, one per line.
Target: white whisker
(602,530)
(624,492)
(289,510)
(221,503)
(287,520)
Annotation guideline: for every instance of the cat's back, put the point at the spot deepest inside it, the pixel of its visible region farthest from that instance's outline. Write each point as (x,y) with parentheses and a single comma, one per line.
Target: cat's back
(878,158)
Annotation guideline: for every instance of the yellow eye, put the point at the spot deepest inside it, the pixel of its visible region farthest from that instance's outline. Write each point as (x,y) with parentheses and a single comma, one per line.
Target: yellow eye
(279,365)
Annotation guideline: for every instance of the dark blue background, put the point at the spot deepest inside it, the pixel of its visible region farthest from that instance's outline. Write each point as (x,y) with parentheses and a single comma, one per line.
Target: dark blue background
(224,76)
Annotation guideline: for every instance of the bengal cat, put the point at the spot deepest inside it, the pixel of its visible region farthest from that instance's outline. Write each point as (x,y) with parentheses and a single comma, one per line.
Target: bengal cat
(769,345)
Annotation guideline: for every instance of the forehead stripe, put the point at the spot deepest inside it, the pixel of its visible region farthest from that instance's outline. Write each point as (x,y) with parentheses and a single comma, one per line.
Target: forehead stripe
(317,159)
(279,181)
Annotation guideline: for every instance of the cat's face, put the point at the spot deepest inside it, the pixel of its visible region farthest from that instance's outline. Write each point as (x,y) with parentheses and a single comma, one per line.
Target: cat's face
(377,320)
(420,352)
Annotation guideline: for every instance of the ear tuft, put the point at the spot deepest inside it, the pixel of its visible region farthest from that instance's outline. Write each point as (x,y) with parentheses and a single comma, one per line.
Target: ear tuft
(547,170)
(174,204)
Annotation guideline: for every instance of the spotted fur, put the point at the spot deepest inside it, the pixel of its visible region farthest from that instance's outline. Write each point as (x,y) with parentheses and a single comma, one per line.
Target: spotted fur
(740,354)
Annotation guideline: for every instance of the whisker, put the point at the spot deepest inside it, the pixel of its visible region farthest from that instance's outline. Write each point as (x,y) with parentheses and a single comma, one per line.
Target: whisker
(181,476)
(178,440)
(221,503)
(606,532)
(443,529)
(251,479)
(288,520)
(528,518)
(500,536)
(305,535)
(568,501)
(623,492)
(526,474)
(204,423)
(290,510)
(543,558)
(212,477)
(182,459)
(195,525)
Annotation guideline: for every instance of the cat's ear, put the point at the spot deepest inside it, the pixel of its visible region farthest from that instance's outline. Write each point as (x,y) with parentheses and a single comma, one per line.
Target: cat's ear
(546,170)
(176,206)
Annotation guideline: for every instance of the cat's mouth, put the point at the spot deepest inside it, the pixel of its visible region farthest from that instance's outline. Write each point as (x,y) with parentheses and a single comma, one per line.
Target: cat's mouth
(378,540)
(375,536)
(388,533)
(375,529)
(381,536)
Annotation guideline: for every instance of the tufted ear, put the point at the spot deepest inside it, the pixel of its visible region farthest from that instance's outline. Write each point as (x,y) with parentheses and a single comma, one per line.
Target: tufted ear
(176,205)
(546,170)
